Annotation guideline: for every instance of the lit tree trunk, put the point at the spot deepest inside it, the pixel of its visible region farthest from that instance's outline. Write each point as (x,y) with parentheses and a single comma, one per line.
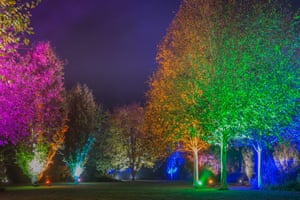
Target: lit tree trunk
(223,181)
(259,167)
(133,155)
(258,150)
(196,173)
(34,180)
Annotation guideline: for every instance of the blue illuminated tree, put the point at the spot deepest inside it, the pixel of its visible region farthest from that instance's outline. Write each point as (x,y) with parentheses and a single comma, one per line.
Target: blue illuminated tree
(174,161)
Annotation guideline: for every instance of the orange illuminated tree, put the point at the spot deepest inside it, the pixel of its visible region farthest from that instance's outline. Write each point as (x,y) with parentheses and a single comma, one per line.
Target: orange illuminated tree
(175,110)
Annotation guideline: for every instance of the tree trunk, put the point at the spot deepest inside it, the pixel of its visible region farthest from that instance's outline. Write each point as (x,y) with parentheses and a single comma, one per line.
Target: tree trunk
(259,180)
(196,182)
(133,172)
(34,180)
(133,175)
(223,182)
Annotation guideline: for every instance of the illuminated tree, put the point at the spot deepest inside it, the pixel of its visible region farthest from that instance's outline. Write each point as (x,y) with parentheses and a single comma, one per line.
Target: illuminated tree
(83,122)
(127,143)
(176,110)
(271,81)
(15,24)
(233,85)
(44,98)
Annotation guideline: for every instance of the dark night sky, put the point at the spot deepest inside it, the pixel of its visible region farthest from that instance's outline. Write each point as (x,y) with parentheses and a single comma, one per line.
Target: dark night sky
(109,44)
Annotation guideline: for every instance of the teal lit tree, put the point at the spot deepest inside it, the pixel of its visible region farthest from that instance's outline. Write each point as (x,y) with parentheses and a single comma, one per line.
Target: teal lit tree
(76,162)
(83,123)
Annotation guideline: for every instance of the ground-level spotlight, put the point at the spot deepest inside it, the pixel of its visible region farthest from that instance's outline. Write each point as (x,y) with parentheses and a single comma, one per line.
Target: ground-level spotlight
(47,182)
(210,181)
(200,183)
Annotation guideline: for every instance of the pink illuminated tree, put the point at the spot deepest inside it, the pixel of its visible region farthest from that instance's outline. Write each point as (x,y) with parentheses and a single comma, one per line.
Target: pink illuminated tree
(43,97)
(31,87)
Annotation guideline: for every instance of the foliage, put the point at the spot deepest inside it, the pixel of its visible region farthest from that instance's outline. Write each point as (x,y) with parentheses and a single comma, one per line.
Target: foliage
(175,111)
(271,60)
(82,112)
(15,23)
(98,163)
(102,159)
(37,106)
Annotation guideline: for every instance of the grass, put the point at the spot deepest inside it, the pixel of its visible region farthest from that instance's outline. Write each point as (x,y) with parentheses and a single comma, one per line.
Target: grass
(138,191)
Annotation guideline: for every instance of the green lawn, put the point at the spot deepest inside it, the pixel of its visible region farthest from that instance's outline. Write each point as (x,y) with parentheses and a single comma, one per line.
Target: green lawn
(139,191)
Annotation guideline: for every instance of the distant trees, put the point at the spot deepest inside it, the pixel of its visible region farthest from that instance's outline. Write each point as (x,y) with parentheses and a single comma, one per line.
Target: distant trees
(227,70)
(127,145)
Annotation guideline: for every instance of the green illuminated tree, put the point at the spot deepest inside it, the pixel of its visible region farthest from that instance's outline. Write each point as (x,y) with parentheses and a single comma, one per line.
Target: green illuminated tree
(227,65)
(271,79)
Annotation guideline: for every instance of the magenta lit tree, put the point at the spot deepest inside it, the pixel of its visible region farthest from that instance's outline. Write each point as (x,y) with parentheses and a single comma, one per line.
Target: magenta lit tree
(30,89)
(14,109)
(43,98)
(14,101)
